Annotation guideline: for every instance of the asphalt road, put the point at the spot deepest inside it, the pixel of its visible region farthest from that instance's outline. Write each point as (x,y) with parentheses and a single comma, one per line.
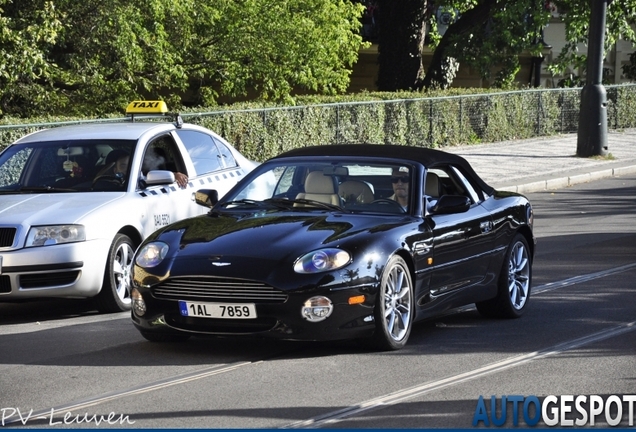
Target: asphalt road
(577,338)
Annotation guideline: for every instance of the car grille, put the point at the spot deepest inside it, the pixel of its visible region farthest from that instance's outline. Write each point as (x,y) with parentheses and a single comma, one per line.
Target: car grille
(6,236)
(218,289)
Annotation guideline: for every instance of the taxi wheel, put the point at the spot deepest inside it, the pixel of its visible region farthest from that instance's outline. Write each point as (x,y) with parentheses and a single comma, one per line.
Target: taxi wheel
(115,293)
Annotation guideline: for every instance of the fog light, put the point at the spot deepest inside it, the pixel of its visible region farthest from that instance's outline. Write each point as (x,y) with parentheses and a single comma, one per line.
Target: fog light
(317,309)
(138,303)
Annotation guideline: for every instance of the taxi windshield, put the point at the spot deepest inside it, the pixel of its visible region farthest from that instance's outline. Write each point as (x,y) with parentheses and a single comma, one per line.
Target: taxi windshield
(66,166)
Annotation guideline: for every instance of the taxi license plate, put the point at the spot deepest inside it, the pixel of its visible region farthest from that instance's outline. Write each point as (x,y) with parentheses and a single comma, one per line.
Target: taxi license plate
(218,310)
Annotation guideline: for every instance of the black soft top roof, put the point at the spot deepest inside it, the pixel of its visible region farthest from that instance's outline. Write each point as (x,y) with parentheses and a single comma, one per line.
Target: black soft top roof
(430,158)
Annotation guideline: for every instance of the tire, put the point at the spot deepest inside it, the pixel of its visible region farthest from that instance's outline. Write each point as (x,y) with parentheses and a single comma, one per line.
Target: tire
(164,337)
(394,307)
(115,293)
(514,283)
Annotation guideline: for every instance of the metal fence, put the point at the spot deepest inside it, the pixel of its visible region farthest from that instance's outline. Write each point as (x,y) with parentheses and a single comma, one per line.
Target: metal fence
(427,122)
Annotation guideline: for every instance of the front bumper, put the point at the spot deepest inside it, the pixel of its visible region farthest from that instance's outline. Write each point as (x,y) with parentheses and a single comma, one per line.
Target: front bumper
(281,320)
(73,270)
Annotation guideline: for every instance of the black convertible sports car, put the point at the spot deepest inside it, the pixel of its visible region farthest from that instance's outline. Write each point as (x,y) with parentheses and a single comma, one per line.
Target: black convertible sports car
(337,242)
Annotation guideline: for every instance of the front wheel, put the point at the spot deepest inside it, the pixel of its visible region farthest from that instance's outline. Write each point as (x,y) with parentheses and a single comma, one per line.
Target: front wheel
(115,293)
(513,289)
(394,306)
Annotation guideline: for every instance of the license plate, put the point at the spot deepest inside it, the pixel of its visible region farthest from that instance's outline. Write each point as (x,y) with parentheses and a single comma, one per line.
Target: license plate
(218,310)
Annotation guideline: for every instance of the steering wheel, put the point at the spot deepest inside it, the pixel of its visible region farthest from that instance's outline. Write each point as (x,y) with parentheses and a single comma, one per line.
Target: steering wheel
(386,201)
(107,177)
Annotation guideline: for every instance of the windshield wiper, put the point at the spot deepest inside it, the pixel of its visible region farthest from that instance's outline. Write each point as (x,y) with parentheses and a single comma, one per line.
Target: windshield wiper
(44,189)
(241,202)
(281,203)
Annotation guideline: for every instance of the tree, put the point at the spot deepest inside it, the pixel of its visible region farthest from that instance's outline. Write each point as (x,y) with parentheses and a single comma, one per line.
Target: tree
(26,35)
(401,32)
(620,23)
(194,52)
(489,35)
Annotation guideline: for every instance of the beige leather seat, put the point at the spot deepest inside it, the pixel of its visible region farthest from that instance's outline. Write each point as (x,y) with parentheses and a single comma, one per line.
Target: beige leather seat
(431,188)
(355,191)
(319,187)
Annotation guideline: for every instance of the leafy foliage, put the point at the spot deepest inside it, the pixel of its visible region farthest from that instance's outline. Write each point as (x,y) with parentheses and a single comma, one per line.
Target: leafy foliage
(94,56)
(620,23)
(488,36)
(450,117)
(27,33)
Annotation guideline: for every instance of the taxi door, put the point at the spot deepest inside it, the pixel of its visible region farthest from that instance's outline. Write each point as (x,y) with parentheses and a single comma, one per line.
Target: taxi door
(164,204)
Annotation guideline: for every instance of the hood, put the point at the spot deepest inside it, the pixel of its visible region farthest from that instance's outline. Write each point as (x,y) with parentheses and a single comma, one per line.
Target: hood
(51,208)
(263,246)
(274,236)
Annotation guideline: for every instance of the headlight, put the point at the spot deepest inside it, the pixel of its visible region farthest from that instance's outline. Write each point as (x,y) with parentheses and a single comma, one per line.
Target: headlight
(55,234)
(322,260)
(151,254)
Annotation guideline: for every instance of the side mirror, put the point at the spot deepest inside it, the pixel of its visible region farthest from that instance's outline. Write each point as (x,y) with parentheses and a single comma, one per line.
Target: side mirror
(159,177)
(449,204)
(206,197)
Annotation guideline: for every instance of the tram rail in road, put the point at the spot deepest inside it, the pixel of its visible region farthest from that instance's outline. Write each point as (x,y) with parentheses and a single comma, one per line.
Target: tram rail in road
(330,418)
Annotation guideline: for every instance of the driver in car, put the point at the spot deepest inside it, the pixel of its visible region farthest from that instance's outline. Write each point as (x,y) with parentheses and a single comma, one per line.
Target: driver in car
(400,181)
(121,166)
(115,169)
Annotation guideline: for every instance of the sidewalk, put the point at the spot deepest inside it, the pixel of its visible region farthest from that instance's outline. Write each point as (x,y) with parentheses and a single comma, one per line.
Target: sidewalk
(546,163)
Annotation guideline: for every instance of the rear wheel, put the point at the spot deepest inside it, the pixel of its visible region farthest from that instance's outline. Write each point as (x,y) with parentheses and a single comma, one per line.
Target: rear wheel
(115,293)
(394,306)
(514,283)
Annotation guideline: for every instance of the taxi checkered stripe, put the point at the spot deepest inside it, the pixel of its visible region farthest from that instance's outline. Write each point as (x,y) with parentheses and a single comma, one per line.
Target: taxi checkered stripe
(201,181)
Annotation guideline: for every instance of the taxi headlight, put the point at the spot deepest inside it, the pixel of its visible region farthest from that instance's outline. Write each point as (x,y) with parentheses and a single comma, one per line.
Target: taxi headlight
(322,260)
(151,254)
(55,234)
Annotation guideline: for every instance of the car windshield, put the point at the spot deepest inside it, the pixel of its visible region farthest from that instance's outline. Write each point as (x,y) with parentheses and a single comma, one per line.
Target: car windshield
(350,186)
(66,166)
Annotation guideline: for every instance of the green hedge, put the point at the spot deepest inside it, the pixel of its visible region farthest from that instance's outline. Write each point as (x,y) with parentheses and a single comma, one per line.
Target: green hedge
(439,120)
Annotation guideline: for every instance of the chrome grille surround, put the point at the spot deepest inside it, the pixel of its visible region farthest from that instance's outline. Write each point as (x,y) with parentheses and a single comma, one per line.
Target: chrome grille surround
(213,288)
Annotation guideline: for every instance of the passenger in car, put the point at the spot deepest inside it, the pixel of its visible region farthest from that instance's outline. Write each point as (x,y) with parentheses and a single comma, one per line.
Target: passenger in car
(155,158)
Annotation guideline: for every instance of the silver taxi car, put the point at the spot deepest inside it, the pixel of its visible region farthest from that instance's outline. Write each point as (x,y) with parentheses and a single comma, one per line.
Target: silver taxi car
(76,201)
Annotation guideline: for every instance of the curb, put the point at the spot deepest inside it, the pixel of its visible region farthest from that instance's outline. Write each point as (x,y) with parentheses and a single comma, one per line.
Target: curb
(563,182)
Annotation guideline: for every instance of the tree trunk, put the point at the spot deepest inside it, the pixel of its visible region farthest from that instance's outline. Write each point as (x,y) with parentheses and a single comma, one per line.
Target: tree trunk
(401,31)
(443,67)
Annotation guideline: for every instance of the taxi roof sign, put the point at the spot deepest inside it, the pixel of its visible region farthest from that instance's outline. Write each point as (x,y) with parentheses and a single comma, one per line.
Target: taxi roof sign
(147,107)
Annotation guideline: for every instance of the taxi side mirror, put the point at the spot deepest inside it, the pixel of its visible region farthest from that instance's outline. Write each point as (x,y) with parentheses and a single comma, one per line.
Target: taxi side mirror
(159,177)
(206,197)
